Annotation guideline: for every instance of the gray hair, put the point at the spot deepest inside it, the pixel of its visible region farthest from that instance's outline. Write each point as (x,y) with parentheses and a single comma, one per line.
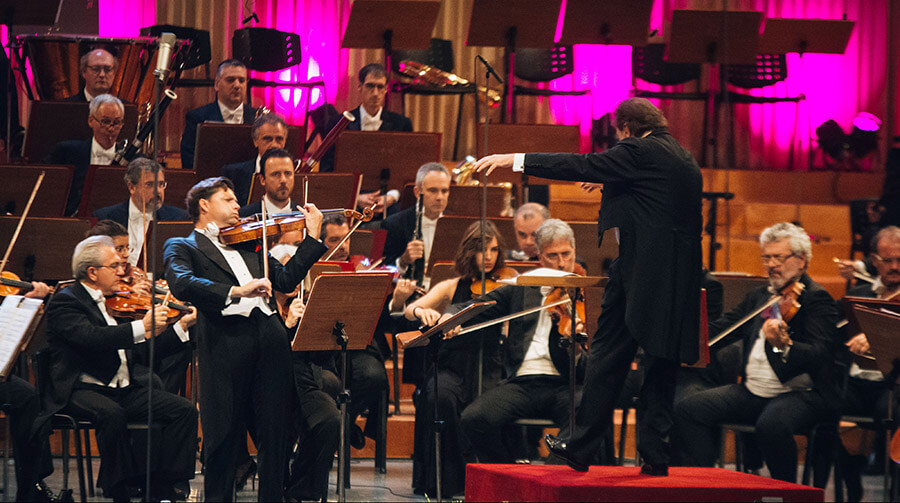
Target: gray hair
(89,253)
(799,239)
(138,167)
(83,62)
(552,230)
(269,118)
(889,233)
(103,99)
(429,167)
(531,210)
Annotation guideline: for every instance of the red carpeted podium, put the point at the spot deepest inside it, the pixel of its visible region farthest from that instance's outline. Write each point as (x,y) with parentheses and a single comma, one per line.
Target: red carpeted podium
(620,483)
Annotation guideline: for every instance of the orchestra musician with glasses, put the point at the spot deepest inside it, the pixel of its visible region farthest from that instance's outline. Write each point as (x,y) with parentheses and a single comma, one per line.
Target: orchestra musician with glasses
(98,69)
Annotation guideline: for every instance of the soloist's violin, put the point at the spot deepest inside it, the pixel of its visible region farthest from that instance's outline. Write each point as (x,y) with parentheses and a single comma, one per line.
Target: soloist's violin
(251,228)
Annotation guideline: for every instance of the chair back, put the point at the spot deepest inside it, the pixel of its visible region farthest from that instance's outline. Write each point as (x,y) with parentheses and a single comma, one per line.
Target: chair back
(648,64)
(768,70)
(544,65)
(438,55)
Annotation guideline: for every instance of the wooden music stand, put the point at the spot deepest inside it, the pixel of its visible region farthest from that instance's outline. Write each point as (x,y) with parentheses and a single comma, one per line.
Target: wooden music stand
(326,190)
(385,159)
(105,186)
(821,36)
(881,329)
(698,36)
(736,286)
(610,22)
(369,243)
(441,271)
(449,233)
(50,201)
(219,144)
(464,200)
(341,314)
(51,122)
(164,231)
(44,246)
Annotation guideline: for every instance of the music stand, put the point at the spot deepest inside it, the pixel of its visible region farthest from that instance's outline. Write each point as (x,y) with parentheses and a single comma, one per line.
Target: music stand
(50,201)
(45,245)
(450,230)
(433,338)
(166,230)
(50,122)
(511,24)
(611,22)
(822,36)
(700,36)
(341,314)
(219,144)
(326,190)
(385,158)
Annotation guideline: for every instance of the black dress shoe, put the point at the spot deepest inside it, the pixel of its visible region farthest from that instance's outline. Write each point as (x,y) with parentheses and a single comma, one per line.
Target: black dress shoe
(357,437)
(244,473)
(657,470)
(558,447)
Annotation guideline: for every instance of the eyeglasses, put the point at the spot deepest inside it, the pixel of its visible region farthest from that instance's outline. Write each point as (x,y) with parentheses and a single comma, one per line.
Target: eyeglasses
(159,185)
(109,122)
(778,259)
(114,266)
(101,68)
(375,87)
(887,260)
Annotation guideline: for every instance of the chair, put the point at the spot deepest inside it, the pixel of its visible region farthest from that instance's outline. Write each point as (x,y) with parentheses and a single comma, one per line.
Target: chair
(543,65)
(438,55)
(884,426)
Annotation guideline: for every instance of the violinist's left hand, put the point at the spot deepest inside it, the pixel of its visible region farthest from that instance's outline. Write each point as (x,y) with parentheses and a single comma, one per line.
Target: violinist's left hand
(313,219)
(142,286)
(189,320)
(776,333)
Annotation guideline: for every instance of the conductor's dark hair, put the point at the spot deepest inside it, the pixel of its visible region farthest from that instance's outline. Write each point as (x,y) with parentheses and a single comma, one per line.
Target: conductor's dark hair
(639,115)
(272,153)
(204,189)
(374,69)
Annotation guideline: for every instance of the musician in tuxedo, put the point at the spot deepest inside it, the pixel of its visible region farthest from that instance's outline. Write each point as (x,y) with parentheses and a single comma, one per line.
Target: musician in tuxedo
(106,117)
(241,344)
(370,115)
(146,182)
(98,69)
(526,221)
(652,197)
(537,368)
(269,131)
(229,107)
(99,371)
(277,183)
(789,381)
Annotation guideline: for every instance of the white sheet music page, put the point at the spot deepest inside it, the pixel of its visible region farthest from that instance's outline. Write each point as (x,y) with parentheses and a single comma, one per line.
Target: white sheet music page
(16,315)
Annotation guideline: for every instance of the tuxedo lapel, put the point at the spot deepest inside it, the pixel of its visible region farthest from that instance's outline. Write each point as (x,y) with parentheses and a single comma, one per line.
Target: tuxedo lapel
(85,298)
(212,252)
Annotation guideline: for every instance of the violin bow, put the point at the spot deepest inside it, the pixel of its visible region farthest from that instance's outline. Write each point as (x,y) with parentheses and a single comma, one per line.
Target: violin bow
(265,239)
(769,303)
(12,242)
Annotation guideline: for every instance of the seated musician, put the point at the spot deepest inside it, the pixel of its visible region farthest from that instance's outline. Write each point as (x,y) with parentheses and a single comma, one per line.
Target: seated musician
(277,181)
(457,364)
(268,131)
(99,372)
(106,117)
(536,366)
(401,248)
(526,220)
(789,381)
(132,276)
(98,69)
(867,390)
(370,115)
(229,107)
(146,182)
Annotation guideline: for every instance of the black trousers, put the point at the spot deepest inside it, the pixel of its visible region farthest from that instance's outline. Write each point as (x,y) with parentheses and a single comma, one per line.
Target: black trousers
(367,380)
(251,384)
(31,452)
(777,420)
(319,427)
(538,396)
(612,350)
(111,409)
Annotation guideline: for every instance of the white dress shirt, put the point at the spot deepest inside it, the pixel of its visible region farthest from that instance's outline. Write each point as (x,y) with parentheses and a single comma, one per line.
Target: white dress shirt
(369,122)
(761,378)
(88,96)
(138,223)
(229,116)
(245,305)
(122,377)
(271,209)
(537,358)
(102,156)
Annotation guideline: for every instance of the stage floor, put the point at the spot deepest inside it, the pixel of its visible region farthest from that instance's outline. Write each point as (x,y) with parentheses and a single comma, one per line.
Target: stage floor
(367,486)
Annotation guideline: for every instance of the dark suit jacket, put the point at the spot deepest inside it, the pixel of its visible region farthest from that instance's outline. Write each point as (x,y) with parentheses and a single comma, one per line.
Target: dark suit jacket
(400,228)
(78,154)
(652,189)
(119,213)
(241,175)
(816,346)
(80,340)
(209,112)
(390,121)
(198,273)
(78,97)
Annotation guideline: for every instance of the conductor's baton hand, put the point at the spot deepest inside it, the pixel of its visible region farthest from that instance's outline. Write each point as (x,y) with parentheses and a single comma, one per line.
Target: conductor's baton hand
(492,162)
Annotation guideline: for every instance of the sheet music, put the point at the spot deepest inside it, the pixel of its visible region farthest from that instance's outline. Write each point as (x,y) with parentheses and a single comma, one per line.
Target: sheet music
(16,315)
(540,271)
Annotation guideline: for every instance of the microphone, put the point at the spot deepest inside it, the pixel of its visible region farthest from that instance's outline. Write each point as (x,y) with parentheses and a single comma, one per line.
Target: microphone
(166,44)
(490,69)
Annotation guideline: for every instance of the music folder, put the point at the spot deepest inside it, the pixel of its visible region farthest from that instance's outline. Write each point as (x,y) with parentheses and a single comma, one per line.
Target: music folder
(19,317)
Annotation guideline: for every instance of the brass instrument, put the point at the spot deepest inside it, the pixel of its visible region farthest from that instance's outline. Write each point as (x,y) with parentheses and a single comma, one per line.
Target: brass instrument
(464,174)
(260,111)
(439,78)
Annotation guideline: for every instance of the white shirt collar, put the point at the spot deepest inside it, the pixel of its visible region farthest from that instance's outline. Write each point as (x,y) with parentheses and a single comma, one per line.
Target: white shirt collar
(96,295)
(365,119)
(258,167)
(134,213)
(236,116)
(271,209)
(99,153)
(88,96)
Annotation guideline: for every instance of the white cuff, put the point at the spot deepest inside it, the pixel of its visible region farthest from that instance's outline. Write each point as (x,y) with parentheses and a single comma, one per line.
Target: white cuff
(393,193)
(181,332)
(518,163)
(137,331)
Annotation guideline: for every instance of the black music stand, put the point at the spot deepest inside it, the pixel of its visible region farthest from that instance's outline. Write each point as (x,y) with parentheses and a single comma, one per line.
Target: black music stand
(610,22)
(432,338)
(711,222)
(511,24)
(821,36)
(18,180)
(341,314)
(389,25)
(44,248)
(219,144)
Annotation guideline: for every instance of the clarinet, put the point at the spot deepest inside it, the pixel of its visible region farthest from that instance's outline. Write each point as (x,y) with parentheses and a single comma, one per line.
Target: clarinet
(416,270)
(122,156)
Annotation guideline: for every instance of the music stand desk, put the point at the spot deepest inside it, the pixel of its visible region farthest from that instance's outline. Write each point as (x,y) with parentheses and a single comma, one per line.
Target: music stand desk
(47,241)
(403,24)
(385,157)
(611,22)
(326,190)
(50,200)
(822,36)
(50,122)
(219,144)
(881,330)
(697,36)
